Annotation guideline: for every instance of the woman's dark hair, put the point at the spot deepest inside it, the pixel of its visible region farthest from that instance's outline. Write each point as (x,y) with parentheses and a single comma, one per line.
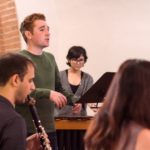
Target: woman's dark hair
(75,52)
(127,100)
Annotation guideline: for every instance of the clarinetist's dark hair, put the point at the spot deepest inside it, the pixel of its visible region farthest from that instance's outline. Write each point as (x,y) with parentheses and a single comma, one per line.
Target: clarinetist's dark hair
(13,63)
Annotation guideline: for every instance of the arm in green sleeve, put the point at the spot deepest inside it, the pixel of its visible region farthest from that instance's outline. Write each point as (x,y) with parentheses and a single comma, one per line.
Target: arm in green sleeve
(40,93)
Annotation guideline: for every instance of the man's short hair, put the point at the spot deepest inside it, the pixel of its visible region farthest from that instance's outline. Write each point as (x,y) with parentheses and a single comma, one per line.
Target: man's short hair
(13,63)
(28,23)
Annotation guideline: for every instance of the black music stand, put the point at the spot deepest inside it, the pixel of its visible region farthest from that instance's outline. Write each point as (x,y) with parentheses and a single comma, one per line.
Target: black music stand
(97,92)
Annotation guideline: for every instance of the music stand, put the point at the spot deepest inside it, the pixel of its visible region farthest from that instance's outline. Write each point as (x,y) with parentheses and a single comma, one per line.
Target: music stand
(97,92)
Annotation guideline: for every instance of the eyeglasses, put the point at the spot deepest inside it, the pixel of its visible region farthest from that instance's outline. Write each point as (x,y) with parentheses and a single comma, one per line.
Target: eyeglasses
(78,60)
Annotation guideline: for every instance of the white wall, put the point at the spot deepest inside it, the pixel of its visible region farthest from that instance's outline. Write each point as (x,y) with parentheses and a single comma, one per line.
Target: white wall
(110,30)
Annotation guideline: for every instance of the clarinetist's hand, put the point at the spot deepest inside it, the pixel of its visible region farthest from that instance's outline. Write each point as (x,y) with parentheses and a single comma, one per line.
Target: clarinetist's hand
(58,98)
(46,143)
(33,142)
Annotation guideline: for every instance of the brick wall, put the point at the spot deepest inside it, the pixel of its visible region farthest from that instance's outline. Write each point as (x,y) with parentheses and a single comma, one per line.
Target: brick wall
(9,31)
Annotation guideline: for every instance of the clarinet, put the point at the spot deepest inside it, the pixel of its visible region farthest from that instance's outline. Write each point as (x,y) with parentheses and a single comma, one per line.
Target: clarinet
(37,122)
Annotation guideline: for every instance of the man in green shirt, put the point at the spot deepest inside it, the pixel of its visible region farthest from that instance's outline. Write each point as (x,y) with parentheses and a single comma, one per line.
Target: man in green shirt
(49,91)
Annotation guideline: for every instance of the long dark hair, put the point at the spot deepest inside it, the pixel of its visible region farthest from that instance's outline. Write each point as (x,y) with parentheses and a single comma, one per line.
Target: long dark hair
(127,99)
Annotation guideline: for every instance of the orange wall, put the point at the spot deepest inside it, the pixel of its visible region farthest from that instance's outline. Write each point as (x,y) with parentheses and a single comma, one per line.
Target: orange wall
(9,33)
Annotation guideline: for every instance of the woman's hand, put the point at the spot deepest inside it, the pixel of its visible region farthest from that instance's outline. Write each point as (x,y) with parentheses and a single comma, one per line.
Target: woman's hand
(77,108)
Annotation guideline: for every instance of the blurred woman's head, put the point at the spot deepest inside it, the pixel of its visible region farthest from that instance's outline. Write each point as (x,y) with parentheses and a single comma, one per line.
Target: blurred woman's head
(129,94)
(127,100)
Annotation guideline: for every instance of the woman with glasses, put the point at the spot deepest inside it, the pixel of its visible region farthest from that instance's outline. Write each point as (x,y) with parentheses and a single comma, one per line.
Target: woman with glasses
(77,82)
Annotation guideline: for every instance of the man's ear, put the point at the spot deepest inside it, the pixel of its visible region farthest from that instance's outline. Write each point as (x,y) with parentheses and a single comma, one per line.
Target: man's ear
(15,80)
(28,34)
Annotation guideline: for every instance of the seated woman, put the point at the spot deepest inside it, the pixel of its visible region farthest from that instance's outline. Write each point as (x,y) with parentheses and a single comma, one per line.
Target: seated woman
(123,122)
(77,82)
(74,80)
